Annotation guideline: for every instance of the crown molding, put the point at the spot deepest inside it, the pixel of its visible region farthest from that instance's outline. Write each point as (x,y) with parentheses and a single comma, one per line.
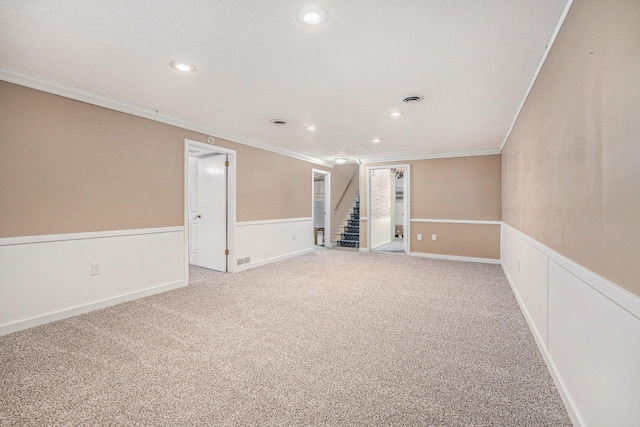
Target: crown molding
(552,40)
(470,153)
(93,98)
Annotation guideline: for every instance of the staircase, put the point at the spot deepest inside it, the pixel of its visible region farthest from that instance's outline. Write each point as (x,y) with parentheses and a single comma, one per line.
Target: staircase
(350,234)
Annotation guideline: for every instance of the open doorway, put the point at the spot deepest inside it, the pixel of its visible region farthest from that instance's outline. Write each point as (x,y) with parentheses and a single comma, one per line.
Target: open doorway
(321,207)
(209,206)
(388,208)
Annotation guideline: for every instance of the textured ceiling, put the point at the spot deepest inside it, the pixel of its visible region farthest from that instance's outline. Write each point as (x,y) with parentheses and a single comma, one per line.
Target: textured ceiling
(472,60)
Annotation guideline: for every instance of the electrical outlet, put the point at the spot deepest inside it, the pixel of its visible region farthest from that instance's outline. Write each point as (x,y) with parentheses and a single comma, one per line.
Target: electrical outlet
(95,269)
(434,237)
(293,237)
(518,265)
(419,236)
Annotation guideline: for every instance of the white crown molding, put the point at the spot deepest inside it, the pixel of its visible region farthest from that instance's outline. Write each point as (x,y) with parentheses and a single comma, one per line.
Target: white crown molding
(471,153)
(93,98)
(552,40)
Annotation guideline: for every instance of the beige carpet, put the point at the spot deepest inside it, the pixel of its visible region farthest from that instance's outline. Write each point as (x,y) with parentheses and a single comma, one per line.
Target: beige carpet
(327,338)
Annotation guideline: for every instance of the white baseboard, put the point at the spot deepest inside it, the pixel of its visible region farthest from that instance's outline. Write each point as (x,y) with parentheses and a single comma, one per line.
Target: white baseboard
(46,278)
(587,330)
(270,260)
(456,258)
(74,311)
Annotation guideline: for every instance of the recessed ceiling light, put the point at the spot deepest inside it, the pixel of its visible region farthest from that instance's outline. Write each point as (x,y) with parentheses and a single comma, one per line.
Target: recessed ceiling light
(341,161)
(376,140)
(279,122)
(396,113)
(183,66)
(312,18)
(312,15)
(310,127)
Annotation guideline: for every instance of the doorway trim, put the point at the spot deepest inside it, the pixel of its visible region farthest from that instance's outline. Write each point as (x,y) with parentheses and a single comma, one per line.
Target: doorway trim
(407,199)
(327,203)
(200,149)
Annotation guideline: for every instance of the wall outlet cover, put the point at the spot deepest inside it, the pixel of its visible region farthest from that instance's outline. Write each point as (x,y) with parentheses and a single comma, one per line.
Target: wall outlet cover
(95,269)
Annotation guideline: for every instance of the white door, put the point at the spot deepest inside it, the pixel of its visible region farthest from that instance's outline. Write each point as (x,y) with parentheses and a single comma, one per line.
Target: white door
(212,212)
(193,211)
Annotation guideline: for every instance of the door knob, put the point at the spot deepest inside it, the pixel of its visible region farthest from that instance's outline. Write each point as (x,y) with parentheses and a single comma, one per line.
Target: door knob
(198,216)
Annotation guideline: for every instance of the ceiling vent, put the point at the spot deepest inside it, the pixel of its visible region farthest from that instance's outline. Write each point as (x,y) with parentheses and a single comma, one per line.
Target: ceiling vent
(412,99)
(279,122)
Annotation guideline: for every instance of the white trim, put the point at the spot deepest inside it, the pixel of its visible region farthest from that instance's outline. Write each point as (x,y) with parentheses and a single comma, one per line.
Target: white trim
(364,218)
(231,199)
(407,231)
(76,93)
(274,259)
(552,40)
(74,311)
(93,98)
(23,240)
(457,221)
(610,290)
(456,258)
(363,249)
(469,153)
(272,221)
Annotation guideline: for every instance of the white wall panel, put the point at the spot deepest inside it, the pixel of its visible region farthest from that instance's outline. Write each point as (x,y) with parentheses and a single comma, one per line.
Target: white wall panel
(592,339)
(595,347)
(270,241)
(47,279)
(530,275)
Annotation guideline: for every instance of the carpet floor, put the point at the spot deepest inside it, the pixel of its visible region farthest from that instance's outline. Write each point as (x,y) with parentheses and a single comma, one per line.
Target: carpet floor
(327,338)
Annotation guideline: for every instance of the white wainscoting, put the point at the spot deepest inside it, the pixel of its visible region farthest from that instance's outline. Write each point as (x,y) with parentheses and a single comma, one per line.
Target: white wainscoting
(587,329)
(271,240)
(48,278)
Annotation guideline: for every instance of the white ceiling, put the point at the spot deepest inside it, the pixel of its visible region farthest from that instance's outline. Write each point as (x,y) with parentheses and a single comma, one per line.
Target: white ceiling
(472,60)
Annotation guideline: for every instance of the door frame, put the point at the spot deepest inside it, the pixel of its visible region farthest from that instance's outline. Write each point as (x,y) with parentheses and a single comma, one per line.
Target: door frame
(200,149)
(327,203)
(406,199)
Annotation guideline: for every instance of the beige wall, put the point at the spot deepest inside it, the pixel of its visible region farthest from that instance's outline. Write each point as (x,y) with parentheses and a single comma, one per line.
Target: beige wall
(68,167)
(456,188)
(470,240)
(571,166)
(270,185)
(459,188)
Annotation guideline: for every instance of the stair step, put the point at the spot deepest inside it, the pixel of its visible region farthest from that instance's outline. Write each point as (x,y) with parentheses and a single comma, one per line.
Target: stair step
(351,230)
